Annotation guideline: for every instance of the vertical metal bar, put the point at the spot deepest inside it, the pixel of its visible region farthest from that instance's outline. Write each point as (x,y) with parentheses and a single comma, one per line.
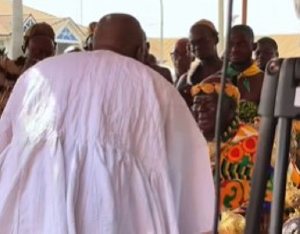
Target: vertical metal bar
(221,26)
(244,11)
(219,119)
(259,180)
(161,31)
(280,175)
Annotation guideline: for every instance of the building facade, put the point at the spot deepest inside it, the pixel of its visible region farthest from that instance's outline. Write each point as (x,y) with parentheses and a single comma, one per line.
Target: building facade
(66,30)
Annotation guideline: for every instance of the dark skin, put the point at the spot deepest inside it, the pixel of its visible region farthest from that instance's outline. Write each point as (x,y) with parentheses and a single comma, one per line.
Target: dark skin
(241,48)
(120,33)
(203,44)
(151,59)
(39,48)
(205,111)
(264,53)
(256,83)
(181,57)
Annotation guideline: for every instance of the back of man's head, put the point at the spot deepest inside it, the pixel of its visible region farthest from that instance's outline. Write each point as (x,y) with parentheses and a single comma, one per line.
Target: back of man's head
(120,33)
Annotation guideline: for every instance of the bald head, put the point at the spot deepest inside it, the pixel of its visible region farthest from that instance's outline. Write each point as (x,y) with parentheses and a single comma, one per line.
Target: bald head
(182,44)
(181,57)
(120,33)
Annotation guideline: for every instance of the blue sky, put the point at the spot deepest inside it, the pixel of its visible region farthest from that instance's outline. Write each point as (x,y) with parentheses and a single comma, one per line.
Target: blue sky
(267,17)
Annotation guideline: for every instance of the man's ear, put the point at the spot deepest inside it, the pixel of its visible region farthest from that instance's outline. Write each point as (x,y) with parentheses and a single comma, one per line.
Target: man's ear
(140,54)
(217,40)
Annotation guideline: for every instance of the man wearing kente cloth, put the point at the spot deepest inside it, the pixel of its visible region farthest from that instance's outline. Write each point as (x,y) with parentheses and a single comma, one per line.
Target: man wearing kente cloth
(238,148)
(244,72)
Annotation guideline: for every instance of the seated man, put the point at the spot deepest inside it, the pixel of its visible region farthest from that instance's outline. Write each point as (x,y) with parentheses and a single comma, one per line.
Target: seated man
(239,144)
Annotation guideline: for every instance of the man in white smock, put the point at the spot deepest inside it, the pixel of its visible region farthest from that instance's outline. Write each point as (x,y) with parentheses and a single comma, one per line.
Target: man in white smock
(97,142)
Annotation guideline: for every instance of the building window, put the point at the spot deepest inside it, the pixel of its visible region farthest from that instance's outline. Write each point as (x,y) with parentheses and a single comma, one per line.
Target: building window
(28,23)
(66,35)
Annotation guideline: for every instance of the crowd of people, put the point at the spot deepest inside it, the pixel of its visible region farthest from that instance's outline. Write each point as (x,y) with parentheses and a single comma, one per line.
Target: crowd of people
(138,110)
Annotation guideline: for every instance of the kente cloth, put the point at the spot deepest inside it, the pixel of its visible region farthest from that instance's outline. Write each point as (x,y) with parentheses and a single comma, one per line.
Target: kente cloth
(95,142)
(237,164)
(248,112)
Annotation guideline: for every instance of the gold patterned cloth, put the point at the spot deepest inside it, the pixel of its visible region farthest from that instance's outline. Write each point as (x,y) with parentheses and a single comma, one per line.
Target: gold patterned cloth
(238,155)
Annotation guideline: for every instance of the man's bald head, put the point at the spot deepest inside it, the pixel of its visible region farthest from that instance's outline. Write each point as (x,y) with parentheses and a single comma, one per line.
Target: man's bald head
(181,57)
(182,42)
(120,33)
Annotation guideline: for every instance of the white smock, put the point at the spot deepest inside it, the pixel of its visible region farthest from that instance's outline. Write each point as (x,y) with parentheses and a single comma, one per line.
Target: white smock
(96,142)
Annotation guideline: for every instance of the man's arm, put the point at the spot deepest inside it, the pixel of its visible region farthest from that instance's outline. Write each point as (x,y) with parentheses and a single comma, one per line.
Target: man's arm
(257,84)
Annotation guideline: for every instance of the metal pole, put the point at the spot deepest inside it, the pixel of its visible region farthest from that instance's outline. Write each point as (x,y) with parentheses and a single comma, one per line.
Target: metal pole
(265,146)
(221,26)
(244,11)
(81,12)
(259,180)
(161,31)
(219,120)
(17,29)
(281,167)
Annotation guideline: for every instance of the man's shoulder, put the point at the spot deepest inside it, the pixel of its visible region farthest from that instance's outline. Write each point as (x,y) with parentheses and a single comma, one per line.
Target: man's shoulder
(96,60)
(165,72)
(259,74)
(253,71)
